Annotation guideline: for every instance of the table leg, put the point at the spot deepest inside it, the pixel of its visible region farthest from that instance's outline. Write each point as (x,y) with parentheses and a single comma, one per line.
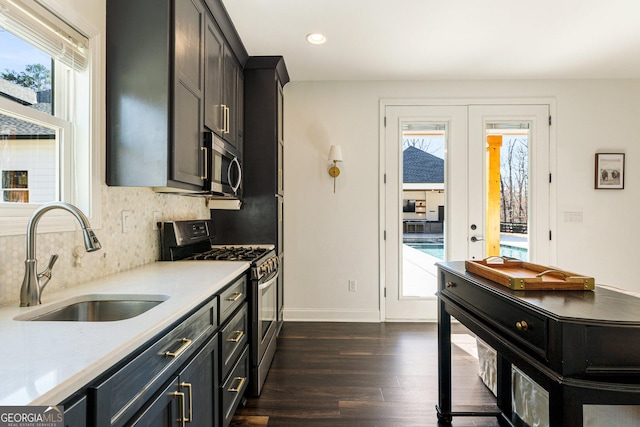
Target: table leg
(443,409)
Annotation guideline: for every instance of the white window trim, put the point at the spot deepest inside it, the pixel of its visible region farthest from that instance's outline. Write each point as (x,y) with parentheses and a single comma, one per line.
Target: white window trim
(14,218)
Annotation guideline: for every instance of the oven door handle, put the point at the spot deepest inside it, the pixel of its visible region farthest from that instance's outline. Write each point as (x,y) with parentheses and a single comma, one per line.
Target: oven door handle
(268,282)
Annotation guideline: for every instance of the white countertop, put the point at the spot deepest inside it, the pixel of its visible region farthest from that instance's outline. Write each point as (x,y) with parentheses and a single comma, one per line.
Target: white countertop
(46,362)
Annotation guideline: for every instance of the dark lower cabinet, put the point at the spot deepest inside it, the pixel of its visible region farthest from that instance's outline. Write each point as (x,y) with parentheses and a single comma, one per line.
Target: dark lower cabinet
(163,410)
(126,390)
(75,412)
(199,382)
(234,388)
(190,397)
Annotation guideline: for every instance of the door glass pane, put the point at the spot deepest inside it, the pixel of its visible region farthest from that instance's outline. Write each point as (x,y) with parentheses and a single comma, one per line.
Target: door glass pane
(423,206)
(507,216)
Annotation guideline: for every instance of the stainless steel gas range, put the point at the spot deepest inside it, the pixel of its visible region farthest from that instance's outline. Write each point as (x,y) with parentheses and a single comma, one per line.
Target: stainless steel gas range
(191,240)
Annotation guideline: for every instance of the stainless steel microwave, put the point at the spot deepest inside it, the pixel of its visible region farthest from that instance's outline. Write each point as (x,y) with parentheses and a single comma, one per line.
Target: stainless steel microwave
(225,169)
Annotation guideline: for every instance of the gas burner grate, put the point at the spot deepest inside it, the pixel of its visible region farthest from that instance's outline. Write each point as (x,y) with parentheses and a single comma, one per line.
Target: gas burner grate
(243,253)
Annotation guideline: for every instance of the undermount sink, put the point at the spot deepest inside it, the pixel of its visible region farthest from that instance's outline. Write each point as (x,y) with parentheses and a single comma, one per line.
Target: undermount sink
(96,308)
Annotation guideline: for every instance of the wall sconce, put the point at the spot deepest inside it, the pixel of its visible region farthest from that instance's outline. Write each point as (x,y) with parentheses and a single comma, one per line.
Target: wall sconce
(335,156)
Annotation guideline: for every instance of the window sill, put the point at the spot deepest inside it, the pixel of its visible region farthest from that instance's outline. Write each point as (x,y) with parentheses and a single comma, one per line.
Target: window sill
(14,221)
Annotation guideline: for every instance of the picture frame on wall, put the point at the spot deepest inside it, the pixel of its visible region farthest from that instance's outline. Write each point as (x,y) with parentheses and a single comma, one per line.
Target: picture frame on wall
(609,174)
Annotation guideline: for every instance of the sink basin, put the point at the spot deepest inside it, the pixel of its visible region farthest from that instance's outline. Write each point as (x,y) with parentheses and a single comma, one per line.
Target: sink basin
(97,308)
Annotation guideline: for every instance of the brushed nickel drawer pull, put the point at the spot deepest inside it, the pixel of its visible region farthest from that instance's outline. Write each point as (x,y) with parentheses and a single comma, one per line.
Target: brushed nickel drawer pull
(237,338)
(237,388)
(180,395)
(186,342)
(522,325)
(188,418)
(235,297)
(451,284)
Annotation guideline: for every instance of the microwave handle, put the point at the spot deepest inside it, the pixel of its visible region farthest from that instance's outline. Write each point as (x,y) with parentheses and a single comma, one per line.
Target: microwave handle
(237,185)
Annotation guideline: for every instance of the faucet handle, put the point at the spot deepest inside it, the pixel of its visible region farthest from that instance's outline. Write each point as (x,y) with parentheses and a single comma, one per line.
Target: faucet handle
(52,261)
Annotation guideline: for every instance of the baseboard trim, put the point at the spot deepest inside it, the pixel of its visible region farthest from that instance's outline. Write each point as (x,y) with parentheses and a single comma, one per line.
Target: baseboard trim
(331,315)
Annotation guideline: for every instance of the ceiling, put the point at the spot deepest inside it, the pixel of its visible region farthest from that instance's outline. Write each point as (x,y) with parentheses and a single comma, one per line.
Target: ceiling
(445,39)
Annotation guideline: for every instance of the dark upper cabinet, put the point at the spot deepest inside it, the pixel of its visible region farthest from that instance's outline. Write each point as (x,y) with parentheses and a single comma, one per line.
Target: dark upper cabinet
(155,87)
(214,54)
(166,83)
(187,157)
(260,218)
(223,88)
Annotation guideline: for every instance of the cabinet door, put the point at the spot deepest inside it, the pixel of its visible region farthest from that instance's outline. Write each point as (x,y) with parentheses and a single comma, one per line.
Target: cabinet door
(198,381)
(187,155)
(75,414)
(240,109)
(164,411)
(230,97)
(213,109)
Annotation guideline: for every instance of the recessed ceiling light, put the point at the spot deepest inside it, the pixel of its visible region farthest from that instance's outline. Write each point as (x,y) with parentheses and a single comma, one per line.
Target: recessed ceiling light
(316,38)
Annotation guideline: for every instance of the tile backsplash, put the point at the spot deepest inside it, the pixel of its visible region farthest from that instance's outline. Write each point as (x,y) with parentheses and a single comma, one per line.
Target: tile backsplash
(120,251)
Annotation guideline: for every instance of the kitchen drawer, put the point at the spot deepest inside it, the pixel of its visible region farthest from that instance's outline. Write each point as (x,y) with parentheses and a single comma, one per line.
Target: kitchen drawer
(529,328)
(232,297)
(123,393)
(233,339)
(234,387)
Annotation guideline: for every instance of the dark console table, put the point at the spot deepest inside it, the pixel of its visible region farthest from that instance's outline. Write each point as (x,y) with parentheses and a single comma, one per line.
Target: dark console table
(582,347)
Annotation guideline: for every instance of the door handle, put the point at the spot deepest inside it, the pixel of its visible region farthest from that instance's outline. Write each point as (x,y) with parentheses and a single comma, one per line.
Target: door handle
(476,239)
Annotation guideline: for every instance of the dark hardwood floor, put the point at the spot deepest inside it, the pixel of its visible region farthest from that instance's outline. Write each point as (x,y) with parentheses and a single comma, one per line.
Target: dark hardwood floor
(364,375)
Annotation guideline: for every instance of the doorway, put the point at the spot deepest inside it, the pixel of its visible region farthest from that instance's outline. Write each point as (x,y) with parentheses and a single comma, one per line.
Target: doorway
(492,196)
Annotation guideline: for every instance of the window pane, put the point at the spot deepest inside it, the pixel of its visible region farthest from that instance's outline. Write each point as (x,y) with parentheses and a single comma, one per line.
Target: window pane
(28,161)
(25,73)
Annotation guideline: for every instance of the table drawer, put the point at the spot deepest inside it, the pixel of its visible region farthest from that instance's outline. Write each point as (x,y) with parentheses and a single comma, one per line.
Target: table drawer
(233,338)
(234,387)
(528,327)
(232,297)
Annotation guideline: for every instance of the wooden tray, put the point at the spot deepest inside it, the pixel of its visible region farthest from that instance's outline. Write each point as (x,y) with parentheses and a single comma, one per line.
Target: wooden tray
(520,275)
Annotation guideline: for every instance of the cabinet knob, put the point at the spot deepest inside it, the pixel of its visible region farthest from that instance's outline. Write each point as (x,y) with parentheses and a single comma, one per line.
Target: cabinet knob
(522,325)
(451,284)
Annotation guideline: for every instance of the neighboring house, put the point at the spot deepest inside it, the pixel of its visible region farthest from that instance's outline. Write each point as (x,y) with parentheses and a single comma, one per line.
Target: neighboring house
(423,185)
(27,150)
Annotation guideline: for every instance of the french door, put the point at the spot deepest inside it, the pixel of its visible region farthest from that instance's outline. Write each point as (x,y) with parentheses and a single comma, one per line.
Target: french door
(492,195)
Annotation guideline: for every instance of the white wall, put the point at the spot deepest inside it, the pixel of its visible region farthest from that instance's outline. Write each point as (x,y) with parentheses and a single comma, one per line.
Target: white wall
(332,238)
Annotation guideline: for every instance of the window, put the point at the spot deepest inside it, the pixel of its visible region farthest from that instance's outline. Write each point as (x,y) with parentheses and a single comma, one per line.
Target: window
(45,113)
(15,186)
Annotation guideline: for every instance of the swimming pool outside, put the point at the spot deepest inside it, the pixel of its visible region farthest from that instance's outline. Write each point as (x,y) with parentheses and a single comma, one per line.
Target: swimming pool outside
(437,250)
